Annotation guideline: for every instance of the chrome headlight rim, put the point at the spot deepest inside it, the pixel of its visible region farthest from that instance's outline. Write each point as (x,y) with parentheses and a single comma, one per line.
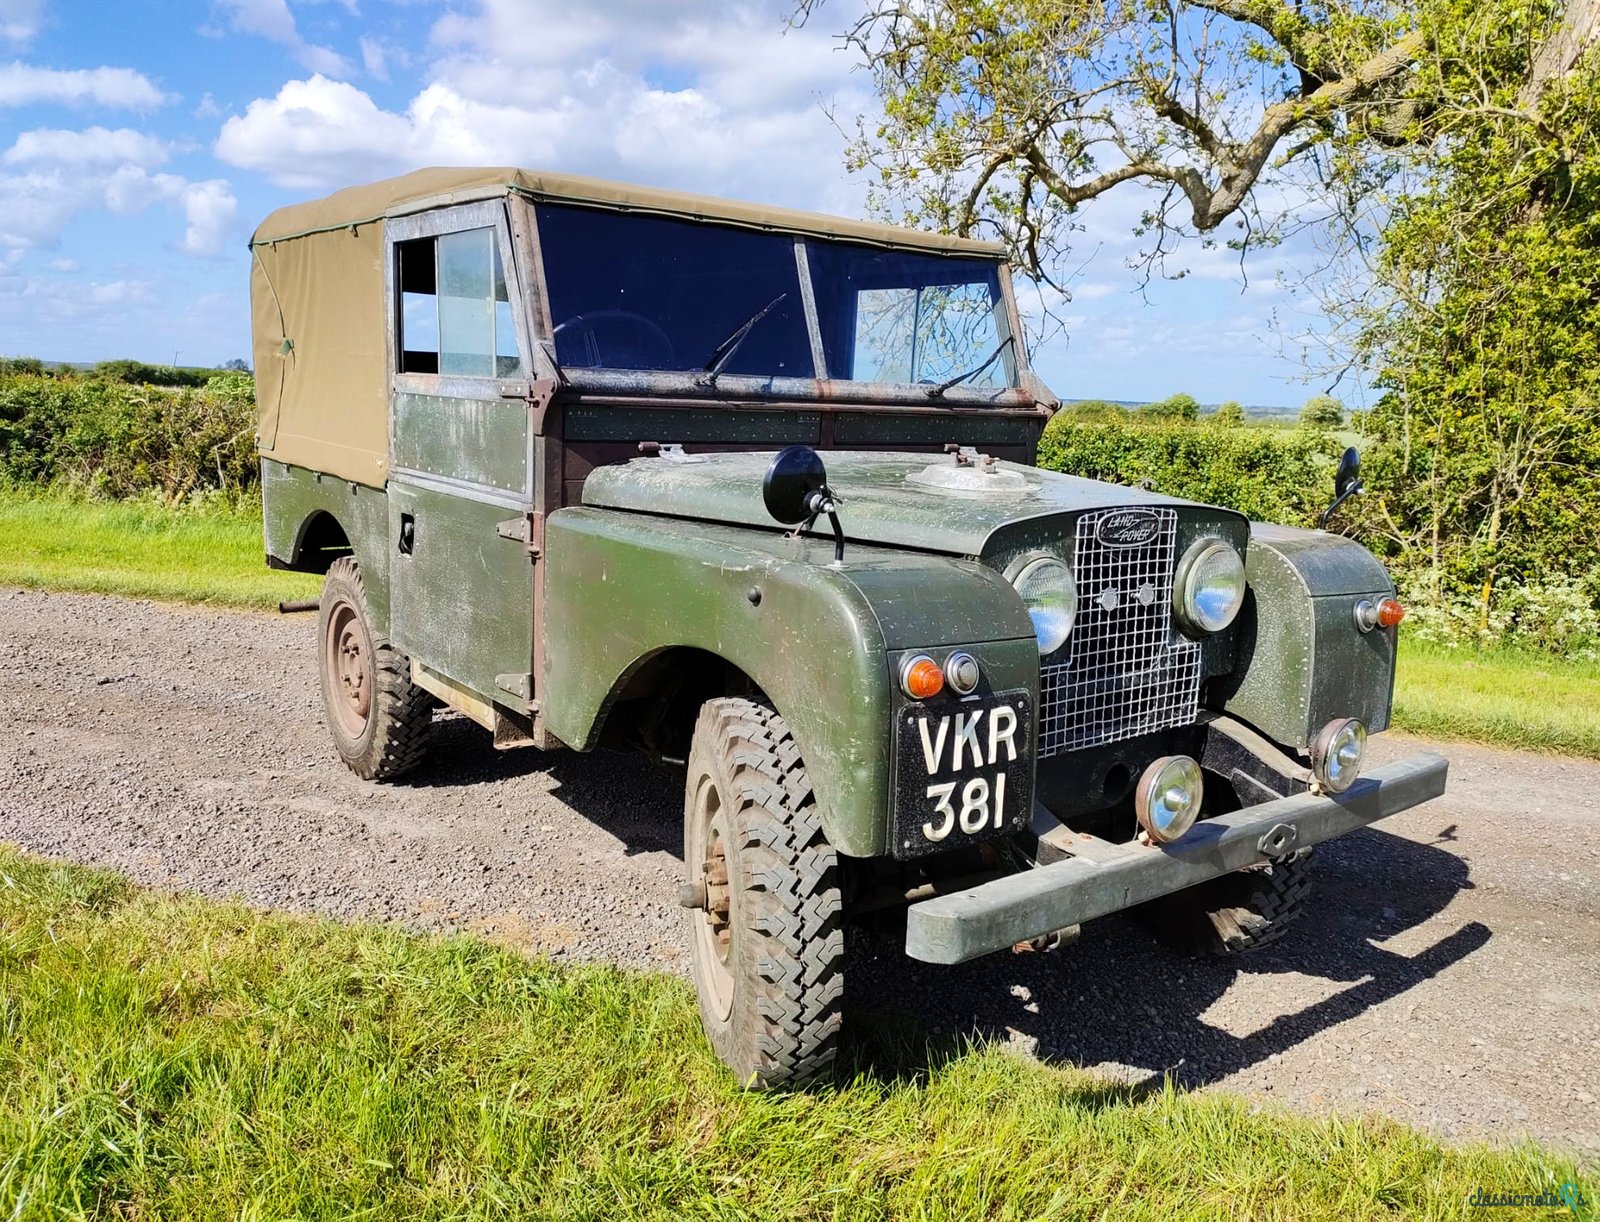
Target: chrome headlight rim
(1162,822)
(1050,631)
(1192,618)
(1333,761)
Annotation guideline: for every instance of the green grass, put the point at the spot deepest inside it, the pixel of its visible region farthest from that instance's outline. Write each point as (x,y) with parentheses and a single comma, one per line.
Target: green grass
(215,556)
(1515,699)
(169,1057)
(1512,699)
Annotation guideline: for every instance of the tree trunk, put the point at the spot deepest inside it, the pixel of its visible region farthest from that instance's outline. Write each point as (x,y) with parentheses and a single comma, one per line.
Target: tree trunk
(1579,28)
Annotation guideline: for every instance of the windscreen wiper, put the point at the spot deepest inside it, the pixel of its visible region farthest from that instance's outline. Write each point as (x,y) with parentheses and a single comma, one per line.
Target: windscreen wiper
(935,392)
(724,351)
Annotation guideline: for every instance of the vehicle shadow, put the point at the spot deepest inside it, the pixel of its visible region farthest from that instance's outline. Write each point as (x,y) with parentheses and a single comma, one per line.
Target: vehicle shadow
(621,792)
(1118,996)
(1115,996)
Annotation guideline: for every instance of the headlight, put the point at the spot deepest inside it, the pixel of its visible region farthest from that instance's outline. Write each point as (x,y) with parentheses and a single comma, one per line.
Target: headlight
(1167,799)
(1210,587)
(1046,588)
(1337,754)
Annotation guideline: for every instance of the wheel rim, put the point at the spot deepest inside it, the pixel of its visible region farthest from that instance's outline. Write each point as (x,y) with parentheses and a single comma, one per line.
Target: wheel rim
(347,673)
(713,924)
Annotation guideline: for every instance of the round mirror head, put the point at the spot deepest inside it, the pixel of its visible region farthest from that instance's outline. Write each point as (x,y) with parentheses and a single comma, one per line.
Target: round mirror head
(796,472)
(1349,470)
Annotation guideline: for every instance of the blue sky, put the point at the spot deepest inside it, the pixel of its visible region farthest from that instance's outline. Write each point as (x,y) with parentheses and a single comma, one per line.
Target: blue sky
(140,143)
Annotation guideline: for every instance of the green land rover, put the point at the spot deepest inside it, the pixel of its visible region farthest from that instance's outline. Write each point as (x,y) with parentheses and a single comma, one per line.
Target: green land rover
(754,491)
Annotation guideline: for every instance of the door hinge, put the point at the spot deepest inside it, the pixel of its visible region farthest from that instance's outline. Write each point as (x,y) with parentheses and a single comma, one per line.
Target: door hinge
(519,530)
(520,686)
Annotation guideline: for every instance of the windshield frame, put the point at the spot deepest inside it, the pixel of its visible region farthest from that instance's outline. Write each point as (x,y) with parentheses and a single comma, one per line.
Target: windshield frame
(1016,393)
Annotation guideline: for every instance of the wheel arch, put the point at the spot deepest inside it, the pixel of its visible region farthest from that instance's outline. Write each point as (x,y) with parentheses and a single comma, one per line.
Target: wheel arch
(646,600)
(309,520)
(320,540)
(654,701)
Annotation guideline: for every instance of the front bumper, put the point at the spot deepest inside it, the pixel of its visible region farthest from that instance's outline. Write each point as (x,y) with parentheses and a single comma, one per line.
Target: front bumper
(1101,877)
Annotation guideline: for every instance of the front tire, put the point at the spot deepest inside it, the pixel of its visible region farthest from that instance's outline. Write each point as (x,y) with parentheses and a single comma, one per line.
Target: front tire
(379,718)
(765,918)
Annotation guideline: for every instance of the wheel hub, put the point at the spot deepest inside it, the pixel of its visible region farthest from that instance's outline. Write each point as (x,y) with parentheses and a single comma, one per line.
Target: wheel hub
(349,669)
(719,897)
(709,897)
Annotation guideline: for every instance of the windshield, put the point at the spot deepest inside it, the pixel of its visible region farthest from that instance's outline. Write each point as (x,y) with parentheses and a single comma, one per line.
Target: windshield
(894,316)
(644,292)
(638,292)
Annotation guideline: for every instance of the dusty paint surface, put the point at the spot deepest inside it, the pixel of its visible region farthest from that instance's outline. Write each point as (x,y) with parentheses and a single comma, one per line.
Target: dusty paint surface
(817,642)
(877,502)
(1301,661)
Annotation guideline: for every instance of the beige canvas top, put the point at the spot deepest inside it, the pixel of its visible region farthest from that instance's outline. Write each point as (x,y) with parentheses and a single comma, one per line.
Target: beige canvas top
(444,185)
(317,296)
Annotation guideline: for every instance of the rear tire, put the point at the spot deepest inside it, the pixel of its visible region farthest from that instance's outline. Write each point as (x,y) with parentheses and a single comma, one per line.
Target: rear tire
(1234,914)
(379,719)
(766,936)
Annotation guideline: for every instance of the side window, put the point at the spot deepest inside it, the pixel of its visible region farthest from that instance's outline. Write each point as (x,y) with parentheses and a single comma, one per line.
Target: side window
(455,311)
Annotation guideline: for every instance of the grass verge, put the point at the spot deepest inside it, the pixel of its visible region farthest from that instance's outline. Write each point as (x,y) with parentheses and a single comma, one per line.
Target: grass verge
(1512,699)
(1515,699)
(170,1057)
(147,551)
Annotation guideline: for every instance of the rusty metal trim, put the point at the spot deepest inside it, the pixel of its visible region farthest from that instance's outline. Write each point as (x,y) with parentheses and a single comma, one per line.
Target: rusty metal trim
(1100,878)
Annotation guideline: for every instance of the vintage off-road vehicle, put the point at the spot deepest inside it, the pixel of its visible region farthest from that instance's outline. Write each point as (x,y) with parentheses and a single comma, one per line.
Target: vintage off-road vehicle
(754,490)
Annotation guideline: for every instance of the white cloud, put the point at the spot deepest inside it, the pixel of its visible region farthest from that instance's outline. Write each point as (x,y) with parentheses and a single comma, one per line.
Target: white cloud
(41,300)
(212,213)
(61,175)
(273,20)
(96,146)
(693,94)
(20,20)
(316,133)
(379,54)
(25,85)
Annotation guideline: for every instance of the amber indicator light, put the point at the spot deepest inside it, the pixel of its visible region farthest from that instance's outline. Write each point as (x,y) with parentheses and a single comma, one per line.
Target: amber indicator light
(1390,613)
(924,679)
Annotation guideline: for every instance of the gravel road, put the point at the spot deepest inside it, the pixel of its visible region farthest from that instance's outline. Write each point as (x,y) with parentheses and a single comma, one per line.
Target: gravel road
(1447,972)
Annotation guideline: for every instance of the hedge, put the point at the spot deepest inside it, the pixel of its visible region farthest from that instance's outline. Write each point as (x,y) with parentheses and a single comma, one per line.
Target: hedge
(120,440)
(1271,475)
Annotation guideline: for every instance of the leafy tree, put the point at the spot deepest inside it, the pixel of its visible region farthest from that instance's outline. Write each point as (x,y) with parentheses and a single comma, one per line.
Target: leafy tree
(1229,415)
(237,365)
(1009,115)
(1178,407)
(1322,412)
(1484,329)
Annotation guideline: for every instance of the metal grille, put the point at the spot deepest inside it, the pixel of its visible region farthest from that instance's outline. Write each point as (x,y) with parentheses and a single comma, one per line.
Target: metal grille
(1127,673)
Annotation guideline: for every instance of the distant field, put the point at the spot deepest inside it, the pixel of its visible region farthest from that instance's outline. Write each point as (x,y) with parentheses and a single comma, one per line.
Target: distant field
(168,1057)
(1513,699)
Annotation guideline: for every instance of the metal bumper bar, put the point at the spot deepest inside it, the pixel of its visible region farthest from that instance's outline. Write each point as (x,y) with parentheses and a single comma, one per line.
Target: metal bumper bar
(1101,877)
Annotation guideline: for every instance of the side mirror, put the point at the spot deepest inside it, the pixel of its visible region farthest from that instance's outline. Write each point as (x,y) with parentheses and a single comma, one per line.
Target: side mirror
(794,478)
(795,491)
(1346,483)
(1348,476)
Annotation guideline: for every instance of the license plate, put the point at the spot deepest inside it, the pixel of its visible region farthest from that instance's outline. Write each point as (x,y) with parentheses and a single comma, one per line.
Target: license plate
(964,772)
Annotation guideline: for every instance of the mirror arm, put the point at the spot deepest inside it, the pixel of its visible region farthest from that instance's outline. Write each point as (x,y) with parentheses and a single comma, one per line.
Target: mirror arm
(819,503)
(1327,514)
